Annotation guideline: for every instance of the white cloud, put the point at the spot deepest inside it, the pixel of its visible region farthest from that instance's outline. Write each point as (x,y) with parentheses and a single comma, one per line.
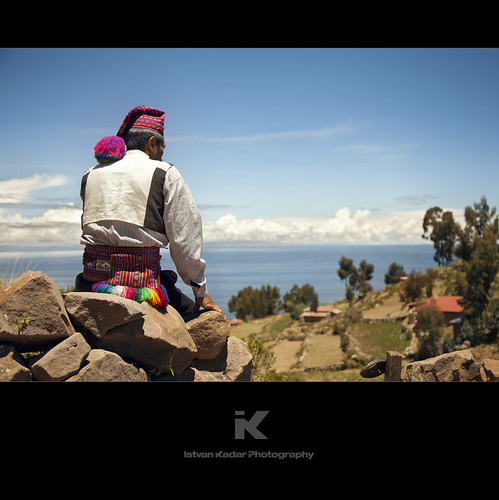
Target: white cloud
(285,135)
(387,152)
(55,226)
(360,227)
(17,190)
(61,226)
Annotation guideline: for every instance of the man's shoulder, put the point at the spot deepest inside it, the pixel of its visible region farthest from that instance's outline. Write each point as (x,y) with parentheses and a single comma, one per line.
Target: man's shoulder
(171,171)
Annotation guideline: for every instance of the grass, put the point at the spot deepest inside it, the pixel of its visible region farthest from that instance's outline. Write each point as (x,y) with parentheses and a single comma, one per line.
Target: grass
(7,277)
(375,338)
(266,329)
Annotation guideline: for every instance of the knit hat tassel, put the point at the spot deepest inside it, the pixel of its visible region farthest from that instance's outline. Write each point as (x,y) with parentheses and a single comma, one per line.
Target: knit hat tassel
(157,297)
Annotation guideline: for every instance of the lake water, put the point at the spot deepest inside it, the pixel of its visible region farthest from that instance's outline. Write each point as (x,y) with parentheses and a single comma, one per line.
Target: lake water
(231,267)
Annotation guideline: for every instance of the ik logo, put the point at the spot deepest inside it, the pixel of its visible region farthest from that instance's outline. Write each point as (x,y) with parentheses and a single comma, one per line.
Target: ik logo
(243,426)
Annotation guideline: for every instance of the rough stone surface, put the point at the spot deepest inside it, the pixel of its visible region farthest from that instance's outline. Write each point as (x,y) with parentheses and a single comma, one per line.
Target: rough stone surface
(235,361)
(32,312)
(12,367)
(209,330)
(239,360)
(100,312)
(490,368)
(192,374)
(105,366)
(158,340)
(116,339)
(63,360)
(453,366)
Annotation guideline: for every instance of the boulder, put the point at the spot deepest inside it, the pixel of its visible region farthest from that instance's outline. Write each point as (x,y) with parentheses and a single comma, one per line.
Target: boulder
(209,330)
(105,366)
(63,360)
(158,340)
(453,366)
(490,369)
(12,367)
(100,312)
(32,312)
(234,361)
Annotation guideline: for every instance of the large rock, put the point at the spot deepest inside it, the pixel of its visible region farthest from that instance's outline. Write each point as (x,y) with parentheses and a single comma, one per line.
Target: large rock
(63,360)
(158,340)
(453,366)
(490,369)
(234,362)
(99,312)
(105,366)
(209,330)
(12,368)
(32,312)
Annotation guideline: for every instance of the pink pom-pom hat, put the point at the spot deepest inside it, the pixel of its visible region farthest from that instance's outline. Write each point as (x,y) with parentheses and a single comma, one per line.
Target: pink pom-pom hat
(110,148)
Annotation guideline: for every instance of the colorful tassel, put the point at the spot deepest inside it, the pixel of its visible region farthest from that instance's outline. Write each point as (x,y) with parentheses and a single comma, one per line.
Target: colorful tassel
(110,148)
(157,297)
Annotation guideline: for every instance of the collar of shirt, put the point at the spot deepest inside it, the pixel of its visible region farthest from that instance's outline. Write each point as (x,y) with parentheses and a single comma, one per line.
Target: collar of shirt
(136,152)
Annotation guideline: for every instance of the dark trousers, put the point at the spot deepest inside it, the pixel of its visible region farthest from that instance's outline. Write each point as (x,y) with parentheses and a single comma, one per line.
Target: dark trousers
(178,300)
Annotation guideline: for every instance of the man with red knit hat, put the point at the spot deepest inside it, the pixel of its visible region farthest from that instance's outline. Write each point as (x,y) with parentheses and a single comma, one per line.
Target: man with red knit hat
(132,207)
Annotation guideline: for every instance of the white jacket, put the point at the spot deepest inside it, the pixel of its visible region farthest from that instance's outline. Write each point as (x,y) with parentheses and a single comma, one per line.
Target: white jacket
(139,202)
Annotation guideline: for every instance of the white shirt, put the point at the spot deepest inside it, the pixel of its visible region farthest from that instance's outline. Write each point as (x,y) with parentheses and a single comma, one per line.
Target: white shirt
(139,202)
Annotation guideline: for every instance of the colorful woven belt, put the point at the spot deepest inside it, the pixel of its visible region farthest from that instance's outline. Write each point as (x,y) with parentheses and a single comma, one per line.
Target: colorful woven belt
(130,272)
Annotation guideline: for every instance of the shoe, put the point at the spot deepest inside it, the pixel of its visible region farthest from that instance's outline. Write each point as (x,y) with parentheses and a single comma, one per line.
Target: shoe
(374,368)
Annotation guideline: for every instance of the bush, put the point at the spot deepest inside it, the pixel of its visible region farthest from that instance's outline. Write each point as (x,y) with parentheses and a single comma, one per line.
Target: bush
(251,303)
(429,331)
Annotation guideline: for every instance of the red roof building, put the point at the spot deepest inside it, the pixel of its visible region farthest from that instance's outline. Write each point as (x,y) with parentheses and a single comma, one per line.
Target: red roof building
(450,305)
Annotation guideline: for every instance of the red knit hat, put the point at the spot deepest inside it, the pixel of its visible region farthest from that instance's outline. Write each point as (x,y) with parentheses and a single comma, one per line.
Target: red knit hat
(143,117)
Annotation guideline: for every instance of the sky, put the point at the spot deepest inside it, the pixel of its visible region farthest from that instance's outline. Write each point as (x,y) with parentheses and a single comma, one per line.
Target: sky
(297,145)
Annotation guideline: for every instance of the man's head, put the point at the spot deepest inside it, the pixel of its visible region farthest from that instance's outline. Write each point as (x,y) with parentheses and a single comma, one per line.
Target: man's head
(149,141)
(143,129)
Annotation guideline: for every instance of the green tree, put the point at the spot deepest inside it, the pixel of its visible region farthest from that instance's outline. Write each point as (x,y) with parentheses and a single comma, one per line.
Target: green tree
(251,303)
(412,288)
(479,250)
(301,297)
(478,218)
(395,272)
(356,279)
(441,228)
(429,330)
(365,274)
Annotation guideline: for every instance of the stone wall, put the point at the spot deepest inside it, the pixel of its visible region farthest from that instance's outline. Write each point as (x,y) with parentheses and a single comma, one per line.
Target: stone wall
(46,336)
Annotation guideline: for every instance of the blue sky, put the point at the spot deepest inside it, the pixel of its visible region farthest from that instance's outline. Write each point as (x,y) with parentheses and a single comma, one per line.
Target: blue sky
(292,145)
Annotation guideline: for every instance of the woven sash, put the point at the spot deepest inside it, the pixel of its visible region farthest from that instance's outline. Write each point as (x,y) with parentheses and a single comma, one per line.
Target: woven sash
(130,272)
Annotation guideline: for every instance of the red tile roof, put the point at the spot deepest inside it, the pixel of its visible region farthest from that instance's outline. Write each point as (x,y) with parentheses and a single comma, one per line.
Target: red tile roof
(446,303)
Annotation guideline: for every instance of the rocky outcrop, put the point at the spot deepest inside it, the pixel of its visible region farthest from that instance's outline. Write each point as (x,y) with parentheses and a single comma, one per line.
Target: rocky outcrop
(32,312)
(99,313)
(156,340)
(456,366)
(210,332)
(99,337)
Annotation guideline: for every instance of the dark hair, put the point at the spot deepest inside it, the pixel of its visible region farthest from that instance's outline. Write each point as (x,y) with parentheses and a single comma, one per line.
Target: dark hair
(136,138)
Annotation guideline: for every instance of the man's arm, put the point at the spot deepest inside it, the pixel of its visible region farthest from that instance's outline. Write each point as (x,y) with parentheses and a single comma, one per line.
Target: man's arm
(184,230)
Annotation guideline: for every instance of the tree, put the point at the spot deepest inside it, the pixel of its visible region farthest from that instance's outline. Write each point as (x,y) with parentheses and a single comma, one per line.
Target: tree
(441,228)
(479,251)
(251,303)
(395,272)
(429,330)
(365,274)
(412,289)
(304,296)
(479,218)
(357,278)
